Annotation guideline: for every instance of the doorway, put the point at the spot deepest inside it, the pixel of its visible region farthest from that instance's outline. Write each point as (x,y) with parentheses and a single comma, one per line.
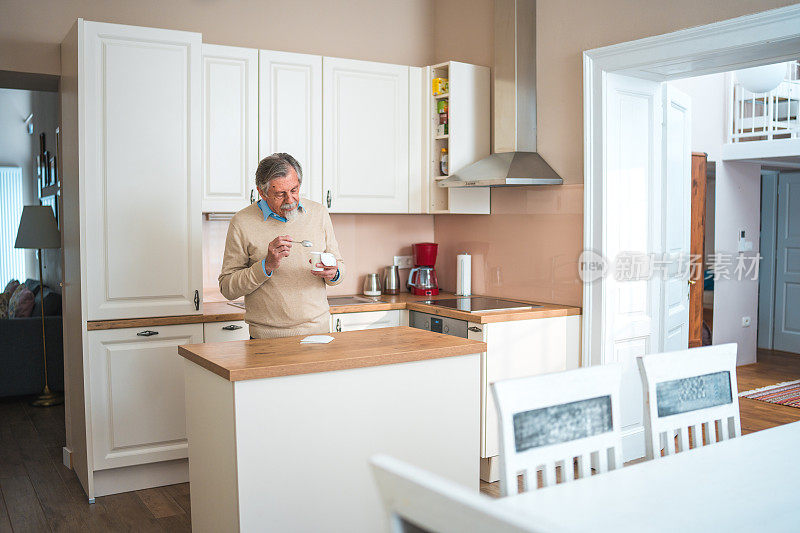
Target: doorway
(618,324)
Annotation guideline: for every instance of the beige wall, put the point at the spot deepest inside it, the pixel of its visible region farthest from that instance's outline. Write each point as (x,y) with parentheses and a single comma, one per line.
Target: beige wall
(393,31)
(564,29)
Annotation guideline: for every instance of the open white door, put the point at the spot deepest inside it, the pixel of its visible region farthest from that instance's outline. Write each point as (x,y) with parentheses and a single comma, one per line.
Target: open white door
(646,233)
(631,307)
(677,203)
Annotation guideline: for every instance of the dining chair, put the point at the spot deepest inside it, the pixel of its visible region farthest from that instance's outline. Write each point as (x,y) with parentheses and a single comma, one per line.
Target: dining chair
(689,389)
(551,420)
(419,501)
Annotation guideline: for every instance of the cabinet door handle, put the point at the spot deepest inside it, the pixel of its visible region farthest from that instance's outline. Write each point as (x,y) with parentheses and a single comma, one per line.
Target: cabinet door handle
(338,324)
(252,198)
(329,198)
(475,328)
(147,333)
(232,327)
(196,300)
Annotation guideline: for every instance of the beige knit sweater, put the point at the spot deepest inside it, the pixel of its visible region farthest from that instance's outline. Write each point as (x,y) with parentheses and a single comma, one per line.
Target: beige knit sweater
(292,301)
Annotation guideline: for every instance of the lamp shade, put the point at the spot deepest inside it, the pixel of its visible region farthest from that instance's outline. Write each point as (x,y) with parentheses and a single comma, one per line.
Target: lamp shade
(762,79)
(38,228)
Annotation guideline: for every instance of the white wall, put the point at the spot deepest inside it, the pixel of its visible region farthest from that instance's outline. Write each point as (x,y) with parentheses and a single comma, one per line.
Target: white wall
(15,150)
(738,207)
(709,118)
(18,148)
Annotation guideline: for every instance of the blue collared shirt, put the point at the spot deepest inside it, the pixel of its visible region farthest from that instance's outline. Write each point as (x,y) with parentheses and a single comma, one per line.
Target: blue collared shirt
(269,213)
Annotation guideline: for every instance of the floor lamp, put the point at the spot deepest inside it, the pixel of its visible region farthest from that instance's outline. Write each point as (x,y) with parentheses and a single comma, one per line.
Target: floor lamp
(37,230)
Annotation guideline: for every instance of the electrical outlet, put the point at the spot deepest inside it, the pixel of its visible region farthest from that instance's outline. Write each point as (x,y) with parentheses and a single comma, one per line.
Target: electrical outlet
(404,261)
(745,321)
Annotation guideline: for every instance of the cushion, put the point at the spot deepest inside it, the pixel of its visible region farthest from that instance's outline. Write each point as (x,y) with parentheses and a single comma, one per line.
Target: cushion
(11,287)
(52,304)
(4,298)
(33,285)
(21,303)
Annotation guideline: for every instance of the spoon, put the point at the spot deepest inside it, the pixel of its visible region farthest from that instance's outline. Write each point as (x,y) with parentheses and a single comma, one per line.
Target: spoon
(307,244)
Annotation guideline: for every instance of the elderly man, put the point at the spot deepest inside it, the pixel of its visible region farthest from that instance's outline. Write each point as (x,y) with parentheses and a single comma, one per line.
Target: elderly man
(282,295)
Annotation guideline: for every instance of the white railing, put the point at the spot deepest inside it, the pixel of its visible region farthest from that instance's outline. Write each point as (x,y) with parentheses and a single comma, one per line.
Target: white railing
(766,116)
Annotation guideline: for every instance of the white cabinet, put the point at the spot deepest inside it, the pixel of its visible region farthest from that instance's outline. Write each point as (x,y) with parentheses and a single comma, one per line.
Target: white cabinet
(235,330)
(230,127)
(290,113)
(467,139)
(137,394)
(367,320)
(139,144)
(365,134)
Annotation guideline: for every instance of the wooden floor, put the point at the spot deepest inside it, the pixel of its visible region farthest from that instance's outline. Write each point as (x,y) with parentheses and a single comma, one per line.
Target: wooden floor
(40,494)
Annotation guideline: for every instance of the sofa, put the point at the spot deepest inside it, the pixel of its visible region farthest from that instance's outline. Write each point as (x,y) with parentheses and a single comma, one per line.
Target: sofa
(21,362)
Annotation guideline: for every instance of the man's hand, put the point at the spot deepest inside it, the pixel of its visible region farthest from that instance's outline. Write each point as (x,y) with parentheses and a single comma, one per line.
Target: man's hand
(277,250)
(327,272)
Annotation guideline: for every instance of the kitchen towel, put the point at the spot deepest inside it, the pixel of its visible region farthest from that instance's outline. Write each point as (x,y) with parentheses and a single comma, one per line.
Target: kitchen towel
(463,275)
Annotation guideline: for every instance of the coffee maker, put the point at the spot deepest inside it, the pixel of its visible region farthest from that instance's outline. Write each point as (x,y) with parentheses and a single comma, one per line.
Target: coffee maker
(422,278)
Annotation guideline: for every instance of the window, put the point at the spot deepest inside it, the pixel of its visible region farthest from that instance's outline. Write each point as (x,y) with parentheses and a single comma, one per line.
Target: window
(12,260)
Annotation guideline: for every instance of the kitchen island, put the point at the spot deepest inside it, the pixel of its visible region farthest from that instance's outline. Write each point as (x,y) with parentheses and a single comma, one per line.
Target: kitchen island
(280,432)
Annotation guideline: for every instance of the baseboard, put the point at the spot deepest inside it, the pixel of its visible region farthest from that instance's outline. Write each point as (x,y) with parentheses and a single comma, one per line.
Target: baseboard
(66,457)
(126,479)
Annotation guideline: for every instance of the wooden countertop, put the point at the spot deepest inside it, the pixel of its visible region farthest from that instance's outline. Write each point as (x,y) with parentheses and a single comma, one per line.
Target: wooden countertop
(266,358)
(224,312)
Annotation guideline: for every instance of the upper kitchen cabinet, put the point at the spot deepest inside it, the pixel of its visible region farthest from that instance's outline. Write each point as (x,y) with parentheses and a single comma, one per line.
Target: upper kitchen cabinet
(457,125)
(138,183)
(230,127)
(365,134)
(290,113)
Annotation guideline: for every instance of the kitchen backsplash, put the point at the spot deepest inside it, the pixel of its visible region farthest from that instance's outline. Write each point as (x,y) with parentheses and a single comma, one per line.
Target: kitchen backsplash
(367,242)
(527,248)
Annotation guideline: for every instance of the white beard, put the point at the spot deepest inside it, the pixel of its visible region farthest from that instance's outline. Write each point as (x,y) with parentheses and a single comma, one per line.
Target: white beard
(292,214)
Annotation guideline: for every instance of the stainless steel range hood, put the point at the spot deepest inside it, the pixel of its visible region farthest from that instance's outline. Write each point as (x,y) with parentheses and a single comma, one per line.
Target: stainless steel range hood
(515,160)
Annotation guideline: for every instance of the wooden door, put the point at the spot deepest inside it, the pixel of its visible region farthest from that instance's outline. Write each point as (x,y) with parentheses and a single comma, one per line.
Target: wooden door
(365,131)
(699,163)
(290,113)
(138,407)
(140,148)
(230,127)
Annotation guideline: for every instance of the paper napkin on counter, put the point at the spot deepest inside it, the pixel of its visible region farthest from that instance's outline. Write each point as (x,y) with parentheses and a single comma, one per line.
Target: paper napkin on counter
(316,339)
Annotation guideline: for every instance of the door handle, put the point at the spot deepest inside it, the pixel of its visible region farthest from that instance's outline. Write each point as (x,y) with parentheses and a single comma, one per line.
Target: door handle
(338,324)
(475,329)
(232,327)
(147,333)
(329,198)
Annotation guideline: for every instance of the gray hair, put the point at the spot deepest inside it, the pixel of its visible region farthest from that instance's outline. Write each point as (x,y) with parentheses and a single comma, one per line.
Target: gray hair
(276,166)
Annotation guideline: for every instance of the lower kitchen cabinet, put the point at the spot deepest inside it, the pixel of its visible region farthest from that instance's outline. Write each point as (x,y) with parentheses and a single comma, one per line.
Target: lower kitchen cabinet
(518,349)
(236,330)
(368,320)
(138,411)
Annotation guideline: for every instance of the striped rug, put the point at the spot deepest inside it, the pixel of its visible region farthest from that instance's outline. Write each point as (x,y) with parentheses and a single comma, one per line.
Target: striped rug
(786,393)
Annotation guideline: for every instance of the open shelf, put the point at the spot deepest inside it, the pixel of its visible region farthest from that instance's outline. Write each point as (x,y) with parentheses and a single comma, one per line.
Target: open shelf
(440,137)
(441,96)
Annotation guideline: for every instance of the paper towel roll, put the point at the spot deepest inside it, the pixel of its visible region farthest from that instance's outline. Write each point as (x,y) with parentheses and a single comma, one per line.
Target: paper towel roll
(463,275)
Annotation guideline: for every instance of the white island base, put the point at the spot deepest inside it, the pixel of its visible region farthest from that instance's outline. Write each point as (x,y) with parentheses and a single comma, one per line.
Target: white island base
(290,453)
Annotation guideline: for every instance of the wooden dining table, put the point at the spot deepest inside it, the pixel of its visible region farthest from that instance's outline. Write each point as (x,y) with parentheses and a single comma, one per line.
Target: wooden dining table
(750,483)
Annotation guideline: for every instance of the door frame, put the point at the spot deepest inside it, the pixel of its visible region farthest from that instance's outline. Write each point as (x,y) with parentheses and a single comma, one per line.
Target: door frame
(752,40)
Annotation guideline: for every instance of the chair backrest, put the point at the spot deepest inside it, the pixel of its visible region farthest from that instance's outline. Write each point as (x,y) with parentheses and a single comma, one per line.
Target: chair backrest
(420,501)
(689,389)
(552,419)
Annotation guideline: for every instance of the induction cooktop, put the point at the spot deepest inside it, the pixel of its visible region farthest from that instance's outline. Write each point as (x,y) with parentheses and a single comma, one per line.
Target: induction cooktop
(480,304)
